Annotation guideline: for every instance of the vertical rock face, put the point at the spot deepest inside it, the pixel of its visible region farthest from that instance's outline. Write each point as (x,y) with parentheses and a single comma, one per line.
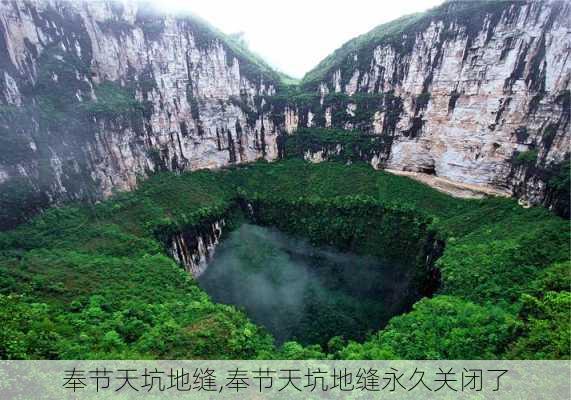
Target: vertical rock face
(94,95)
(476,92)
(193,250)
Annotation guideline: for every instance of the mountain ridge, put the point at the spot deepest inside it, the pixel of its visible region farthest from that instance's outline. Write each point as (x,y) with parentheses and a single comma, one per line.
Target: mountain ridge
(96,96)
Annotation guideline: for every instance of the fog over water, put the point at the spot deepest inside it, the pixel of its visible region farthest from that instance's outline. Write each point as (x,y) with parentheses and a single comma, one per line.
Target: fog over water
(300,292)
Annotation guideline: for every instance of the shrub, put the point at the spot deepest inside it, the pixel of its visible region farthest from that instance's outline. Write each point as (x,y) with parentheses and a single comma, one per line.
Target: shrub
(528,157)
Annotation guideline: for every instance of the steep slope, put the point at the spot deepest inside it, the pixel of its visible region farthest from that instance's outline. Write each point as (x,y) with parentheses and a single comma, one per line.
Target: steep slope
(94,95)
(476,92)
(96,282)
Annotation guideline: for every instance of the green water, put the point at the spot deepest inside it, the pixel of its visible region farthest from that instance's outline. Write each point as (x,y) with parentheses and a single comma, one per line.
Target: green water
(300,292)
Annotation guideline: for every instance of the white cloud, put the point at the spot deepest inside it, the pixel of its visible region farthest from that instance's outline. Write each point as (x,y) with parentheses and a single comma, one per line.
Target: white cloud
(294,35)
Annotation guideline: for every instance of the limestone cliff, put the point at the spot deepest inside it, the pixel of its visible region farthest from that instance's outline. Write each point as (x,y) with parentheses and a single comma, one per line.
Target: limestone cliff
(476,92)
(94,95)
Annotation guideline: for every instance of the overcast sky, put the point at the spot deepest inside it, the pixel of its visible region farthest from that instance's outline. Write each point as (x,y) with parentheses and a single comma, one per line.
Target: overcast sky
(294,35)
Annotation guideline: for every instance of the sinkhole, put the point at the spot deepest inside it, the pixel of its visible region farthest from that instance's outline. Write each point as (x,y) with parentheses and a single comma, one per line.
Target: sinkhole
(307,293)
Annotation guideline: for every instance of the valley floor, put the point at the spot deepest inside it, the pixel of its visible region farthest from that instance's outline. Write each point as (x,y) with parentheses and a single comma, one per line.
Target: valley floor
(96,281)
(455,189)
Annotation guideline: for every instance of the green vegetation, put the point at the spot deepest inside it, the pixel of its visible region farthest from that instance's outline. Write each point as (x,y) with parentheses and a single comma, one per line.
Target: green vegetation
(94,282)
(57,103)
(152,22)
(18,200)
(422,100)
(400,34)
(355,112)
(70,107)
(251,64)
(15,128)
(340,55)
(528,157)
(444,327)
(337,145)
(559,186)
(113,101)
(545,311)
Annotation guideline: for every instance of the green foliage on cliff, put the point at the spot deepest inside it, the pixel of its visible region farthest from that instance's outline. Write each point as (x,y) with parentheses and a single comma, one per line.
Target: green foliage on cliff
(336,144)
(357,224)
(338,110)
(528,157)
(559,187)
(251,64)
(15,128)
(18,201)
(401,33)
(64,102)
(57,103)
(113,101)
(151,19)
(340,55)
(95,282)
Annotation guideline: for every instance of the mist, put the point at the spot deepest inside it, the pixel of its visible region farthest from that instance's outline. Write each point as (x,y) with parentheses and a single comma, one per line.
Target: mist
(304,293)
(295,36)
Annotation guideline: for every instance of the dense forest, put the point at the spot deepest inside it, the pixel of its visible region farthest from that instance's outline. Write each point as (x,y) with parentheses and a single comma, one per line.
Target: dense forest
(132,143)
(96,281)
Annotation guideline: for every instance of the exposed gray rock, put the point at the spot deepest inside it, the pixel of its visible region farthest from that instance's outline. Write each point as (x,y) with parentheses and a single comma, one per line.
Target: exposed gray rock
(198,96)
(476,90)
(95,95)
